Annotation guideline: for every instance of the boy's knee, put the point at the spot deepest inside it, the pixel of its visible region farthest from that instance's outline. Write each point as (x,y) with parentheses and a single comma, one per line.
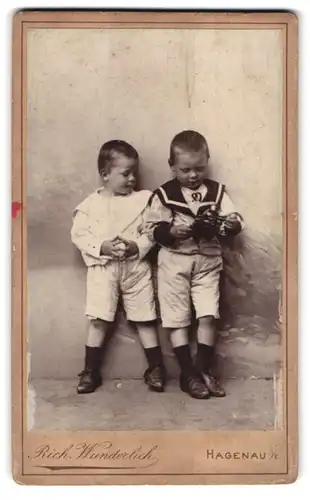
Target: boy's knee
(97,323)
(206,320)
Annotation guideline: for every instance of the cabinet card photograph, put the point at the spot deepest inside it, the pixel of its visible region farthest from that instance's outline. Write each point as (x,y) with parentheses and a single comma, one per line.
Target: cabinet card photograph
(154,247)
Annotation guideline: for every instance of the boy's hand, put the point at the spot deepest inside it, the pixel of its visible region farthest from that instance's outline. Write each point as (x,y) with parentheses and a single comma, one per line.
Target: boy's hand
(181,232)
(111,248)
(232,224)
(129,248)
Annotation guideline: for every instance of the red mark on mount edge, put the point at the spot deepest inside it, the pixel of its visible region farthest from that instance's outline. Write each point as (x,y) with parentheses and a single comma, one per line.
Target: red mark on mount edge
(16,208)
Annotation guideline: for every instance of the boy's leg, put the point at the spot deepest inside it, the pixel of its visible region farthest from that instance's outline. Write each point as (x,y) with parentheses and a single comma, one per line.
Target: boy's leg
(148,334)
(101,305)
(205,293)
(90,377)
(139,304)
(174,281)
(154,376)
(205,343)
(190,380)
(96,332)
(206,336)
(181,349)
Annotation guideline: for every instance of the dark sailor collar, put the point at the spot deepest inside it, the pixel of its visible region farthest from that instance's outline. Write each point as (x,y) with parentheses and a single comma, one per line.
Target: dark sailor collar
(171,195)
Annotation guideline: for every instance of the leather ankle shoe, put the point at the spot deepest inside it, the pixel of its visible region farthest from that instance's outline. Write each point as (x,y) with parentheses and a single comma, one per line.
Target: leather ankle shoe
(89,381)
(155,378)
(194,386)
(213,385)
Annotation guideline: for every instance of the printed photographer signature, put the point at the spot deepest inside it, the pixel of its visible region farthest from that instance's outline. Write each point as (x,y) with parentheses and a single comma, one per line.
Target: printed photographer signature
(103,452)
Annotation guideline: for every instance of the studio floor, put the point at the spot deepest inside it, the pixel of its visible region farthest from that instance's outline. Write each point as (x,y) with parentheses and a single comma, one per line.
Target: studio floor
(251,403)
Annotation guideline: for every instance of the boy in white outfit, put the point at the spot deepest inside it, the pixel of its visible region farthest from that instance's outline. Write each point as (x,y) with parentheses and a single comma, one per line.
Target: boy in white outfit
(188,217)
(108,230)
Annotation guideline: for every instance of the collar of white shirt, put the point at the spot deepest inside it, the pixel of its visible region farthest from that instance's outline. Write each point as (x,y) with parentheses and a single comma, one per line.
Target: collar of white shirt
(188,193)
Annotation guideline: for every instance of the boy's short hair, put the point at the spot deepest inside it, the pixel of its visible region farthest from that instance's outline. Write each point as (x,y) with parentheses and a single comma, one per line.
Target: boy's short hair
(188,140)
(110,149)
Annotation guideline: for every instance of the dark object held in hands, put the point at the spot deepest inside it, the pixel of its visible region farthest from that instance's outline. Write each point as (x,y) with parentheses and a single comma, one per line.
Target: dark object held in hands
(207,225)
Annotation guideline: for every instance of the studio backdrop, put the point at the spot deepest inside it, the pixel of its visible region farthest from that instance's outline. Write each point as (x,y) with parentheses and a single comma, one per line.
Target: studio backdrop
(87,86)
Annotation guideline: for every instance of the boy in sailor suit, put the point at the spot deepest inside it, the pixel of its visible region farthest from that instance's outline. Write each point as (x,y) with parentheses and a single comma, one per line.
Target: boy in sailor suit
(107,229)
(188,217)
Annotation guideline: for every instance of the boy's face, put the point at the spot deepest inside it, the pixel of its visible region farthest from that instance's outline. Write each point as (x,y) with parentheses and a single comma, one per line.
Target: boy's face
(121,179)
(190,168)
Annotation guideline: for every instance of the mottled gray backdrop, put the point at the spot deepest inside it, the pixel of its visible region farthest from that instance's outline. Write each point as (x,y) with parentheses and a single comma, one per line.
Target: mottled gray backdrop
(87,86)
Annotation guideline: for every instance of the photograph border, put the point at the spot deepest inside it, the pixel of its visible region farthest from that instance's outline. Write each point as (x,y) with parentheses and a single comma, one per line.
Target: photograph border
(285,21)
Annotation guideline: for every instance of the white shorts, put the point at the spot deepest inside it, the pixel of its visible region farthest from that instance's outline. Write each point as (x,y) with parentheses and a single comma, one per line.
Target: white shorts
(131,280)
(187,279)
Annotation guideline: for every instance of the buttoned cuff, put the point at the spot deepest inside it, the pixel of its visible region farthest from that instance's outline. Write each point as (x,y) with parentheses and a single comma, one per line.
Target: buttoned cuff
(94,249)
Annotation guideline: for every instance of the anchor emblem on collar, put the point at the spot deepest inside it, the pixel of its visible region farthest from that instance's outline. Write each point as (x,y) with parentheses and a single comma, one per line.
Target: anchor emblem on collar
(197,197)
